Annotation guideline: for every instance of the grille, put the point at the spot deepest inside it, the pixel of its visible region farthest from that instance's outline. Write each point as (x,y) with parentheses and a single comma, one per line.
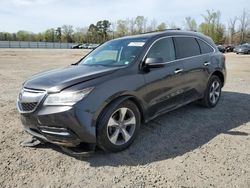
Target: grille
(29,99)
(28,106)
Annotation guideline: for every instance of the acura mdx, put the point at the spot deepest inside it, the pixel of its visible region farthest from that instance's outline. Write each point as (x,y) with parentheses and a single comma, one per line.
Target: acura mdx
(103,98)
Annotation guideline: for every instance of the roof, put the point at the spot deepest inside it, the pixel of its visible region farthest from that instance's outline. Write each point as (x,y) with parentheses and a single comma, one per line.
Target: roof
(170,33)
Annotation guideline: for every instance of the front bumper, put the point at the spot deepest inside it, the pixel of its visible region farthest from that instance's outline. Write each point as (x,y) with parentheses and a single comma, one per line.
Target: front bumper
(61,125)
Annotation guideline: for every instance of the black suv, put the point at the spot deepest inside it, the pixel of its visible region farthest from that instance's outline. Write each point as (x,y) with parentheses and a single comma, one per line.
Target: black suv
(102,99)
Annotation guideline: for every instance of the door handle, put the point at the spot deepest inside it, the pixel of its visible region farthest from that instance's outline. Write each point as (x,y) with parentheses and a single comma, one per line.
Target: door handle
(207,63)
(178,71)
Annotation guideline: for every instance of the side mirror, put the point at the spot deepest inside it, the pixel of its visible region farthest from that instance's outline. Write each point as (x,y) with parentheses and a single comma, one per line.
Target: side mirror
(154,63)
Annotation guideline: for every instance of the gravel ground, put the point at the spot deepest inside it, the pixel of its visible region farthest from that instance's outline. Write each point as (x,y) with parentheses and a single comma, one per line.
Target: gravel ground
(189,147)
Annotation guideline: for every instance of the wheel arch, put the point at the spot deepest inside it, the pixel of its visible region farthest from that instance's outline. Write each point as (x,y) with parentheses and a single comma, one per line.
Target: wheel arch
(119,99)
(220,75)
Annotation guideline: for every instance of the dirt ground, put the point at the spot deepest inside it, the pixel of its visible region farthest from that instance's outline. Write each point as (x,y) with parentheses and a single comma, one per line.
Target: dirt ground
(189,147)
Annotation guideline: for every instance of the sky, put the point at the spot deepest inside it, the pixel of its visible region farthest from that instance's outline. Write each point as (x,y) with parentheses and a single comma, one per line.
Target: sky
(39,15)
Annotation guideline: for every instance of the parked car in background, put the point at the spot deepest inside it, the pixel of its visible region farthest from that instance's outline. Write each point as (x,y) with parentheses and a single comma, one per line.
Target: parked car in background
(236,48)
(76,46)
(243,49)
(221,48)
(104,97)
(229,48)
(84,46)
(93,46)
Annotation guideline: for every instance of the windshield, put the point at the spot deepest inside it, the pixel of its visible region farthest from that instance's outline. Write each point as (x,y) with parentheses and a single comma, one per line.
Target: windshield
(115,53)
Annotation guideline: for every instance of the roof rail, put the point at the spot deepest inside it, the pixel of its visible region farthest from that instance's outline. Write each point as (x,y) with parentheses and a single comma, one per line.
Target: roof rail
(161,30)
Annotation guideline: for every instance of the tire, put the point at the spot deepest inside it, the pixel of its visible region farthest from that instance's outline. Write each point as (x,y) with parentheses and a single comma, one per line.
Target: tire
(210,100)
(118,126)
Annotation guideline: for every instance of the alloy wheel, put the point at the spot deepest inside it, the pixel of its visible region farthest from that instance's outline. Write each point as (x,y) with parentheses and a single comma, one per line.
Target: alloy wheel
(214,93)
(121,126)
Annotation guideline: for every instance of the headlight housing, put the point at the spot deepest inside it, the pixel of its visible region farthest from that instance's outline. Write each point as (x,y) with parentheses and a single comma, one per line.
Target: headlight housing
(66,98)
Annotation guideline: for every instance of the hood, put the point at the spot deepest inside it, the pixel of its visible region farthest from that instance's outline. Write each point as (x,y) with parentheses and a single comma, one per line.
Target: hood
(58,79)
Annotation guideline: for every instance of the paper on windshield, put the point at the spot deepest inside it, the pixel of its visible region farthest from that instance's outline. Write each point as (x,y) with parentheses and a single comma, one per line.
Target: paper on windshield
(139,44)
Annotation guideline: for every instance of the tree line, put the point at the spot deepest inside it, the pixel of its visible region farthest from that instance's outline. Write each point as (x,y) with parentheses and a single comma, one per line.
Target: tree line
(237,30)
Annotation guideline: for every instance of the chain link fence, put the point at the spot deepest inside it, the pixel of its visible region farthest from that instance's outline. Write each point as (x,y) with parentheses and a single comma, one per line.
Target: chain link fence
(28,44)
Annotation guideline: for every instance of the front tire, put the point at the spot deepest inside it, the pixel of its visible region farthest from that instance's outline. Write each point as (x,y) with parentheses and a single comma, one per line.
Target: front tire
(212,93)
(118,126)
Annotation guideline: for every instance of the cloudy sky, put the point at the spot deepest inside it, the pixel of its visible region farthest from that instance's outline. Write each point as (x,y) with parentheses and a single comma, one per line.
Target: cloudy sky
(39,15)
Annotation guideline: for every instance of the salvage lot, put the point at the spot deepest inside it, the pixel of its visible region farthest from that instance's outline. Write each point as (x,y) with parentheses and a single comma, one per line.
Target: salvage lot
(191,146)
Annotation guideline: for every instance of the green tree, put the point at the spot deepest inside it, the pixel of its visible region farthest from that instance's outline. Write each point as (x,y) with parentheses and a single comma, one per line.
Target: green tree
(98,33)
(23,35)
(161,27)
(212,26)
(103,27)
(49,35)
(92,34)
(59,34)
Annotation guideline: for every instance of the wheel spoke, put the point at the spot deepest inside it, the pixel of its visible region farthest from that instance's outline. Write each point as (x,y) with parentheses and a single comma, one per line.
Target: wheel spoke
(211,94)
(130,121)
(114,136)
(212,86)
(213,98)
(112,122)
(216,86)
(126,136)
(217,93)
(122,114)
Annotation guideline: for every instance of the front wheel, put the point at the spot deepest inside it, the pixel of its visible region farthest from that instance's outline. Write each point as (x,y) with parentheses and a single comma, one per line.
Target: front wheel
(118,126)
(212,93)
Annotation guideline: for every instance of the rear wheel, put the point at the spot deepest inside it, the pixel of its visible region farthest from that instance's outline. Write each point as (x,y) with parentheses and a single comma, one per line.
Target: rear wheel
(118,126)
(212,93)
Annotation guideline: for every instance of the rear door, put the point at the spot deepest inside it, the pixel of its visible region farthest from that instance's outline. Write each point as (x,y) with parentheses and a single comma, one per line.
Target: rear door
(195,71)
(164,85)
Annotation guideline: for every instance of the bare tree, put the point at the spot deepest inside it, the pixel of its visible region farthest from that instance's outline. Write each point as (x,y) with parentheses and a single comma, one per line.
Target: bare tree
(152,26)
(131,25)
(244,24)
(190,24)
(231,27)
(140,22)
(122,28)
(212,26)
(67,31)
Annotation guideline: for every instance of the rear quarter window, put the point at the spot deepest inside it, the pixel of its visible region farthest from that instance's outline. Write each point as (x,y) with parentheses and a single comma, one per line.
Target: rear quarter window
(205,48)
(186,47)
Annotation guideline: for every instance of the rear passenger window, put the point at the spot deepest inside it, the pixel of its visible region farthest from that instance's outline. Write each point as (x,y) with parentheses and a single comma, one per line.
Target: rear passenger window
(186,47)
(205,48)
(163,48)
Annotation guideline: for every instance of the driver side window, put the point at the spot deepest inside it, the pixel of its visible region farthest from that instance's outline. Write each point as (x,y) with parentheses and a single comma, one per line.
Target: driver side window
(163,48)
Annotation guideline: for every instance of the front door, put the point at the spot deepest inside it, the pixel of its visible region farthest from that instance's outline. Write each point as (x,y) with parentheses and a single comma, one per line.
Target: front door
(164,85)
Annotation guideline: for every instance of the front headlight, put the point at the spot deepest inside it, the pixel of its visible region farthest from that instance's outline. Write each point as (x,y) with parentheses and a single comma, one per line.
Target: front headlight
(67,97)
